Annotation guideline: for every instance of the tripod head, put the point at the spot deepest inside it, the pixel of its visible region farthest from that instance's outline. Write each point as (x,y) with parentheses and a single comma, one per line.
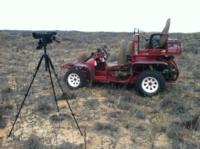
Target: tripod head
(44,38)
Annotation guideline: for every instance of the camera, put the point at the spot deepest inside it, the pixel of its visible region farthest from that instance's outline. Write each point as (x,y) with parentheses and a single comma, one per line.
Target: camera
(43,35)
(44,38)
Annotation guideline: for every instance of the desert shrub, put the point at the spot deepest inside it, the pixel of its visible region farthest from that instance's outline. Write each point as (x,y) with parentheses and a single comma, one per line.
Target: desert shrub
(6,89)
(193,123)
(5,93)
(68,96)
(3,122)
(67,145)
(141,128)
(81,93)
(110,92)
(173,105)
(197,102)
(92,104)
(123,105)
(106,128)
(174,131)
(124,102)
(131,98)
(140,114)
(159,128)
(87,115)
(33,143)
(26,34)
(189,144)
(196,74)
(112,100)
(140,100)
(167,102)
(6,109)
(60,117)
(129,125)
(178,109)
(115,114)
(126,96)
(44,108)
(180,144)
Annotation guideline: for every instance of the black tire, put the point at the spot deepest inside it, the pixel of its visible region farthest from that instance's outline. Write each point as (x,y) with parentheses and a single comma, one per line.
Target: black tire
(150,83)
(77,79)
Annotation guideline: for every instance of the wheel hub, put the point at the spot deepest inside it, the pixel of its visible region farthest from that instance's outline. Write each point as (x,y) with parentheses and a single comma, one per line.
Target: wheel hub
(73,80)
(150,84)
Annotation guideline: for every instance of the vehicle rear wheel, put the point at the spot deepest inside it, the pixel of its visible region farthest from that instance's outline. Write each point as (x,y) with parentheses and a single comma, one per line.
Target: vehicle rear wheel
(150,83)
(75,79)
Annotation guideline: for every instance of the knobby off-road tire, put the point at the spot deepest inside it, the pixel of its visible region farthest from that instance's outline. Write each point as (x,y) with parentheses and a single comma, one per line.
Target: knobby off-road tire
(75,79)
(150,83)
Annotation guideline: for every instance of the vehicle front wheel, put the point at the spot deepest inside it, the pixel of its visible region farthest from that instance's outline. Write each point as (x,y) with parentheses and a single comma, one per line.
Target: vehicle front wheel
(150,83)
(74,79)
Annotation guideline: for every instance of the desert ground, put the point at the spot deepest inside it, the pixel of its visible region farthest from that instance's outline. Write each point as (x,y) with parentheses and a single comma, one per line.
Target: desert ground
(110,116)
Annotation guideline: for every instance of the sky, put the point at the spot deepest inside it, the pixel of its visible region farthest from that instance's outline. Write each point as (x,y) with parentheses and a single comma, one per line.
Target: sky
(100,15)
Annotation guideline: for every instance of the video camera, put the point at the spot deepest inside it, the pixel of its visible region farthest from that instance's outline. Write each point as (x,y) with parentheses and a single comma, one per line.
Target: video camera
(44,38)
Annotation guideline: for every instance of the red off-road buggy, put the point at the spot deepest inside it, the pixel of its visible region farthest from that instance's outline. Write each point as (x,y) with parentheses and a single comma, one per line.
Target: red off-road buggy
(148,67)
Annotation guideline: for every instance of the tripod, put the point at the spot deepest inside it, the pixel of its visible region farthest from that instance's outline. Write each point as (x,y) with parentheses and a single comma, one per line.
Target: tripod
(48,67)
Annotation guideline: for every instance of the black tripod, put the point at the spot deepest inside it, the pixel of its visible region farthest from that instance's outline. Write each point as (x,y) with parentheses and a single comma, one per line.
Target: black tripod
(46,38)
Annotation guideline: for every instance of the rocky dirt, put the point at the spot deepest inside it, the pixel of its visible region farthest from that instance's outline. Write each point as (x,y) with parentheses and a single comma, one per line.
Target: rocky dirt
(111,116)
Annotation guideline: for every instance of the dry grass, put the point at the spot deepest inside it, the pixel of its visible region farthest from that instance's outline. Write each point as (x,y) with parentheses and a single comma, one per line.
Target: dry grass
(112,115)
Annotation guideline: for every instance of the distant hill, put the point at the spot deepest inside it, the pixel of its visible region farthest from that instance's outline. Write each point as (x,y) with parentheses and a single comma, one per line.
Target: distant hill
(76,39)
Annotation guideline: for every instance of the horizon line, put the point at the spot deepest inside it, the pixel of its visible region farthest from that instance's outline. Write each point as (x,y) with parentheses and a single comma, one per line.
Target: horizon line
(97,31)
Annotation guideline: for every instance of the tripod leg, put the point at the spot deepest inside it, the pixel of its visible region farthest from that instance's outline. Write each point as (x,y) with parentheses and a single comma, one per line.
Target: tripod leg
(21,106)
(54,93)
(72,113)
(51,64)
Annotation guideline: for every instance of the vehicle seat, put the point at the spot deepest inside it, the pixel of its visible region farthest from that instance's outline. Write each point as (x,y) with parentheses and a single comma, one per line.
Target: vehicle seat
(123,55)
(165,31)
(159,40)
(129,51)
(121,58)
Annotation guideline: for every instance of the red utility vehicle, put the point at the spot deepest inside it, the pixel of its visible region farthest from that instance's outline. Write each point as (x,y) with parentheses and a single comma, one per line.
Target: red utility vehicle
(148,68)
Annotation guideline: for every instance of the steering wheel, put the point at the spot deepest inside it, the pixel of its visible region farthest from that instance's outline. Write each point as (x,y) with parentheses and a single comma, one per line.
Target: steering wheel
(155,43)
(104,54)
